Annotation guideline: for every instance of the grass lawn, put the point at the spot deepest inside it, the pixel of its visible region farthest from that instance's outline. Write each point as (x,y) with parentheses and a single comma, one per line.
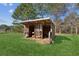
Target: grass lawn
(14,44)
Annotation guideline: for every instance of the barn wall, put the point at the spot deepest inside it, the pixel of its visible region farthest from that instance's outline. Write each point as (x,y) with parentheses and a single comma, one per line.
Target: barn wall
(38,31)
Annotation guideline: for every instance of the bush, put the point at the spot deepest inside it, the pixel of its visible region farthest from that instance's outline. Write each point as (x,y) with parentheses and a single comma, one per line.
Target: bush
(18,28)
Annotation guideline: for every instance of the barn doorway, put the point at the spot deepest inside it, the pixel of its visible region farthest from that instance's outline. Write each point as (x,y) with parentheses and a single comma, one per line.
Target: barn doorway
(31,31)
(46,29)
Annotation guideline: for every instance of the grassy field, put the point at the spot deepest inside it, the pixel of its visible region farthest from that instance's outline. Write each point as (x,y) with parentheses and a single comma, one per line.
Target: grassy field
(14,44)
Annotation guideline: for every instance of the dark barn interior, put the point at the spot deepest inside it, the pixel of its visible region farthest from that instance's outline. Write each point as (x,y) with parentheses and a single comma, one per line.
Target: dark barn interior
(46,29)
(31,30)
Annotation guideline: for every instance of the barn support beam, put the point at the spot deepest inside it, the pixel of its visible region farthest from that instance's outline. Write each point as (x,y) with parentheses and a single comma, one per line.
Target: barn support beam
(41,31)
(26,31)
(50,32)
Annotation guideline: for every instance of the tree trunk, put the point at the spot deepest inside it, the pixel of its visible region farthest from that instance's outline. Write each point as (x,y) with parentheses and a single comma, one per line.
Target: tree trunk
(71,29)
(76,30)
(60,31)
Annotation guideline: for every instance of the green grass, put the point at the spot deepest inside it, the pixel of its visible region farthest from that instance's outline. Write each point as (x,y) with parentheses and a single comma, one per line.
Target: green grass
(13,44)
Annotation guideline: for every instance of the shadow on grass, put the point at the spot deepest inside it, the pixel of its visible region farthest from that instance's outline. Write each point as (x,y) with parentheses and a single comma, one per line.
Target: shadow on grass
(59,39)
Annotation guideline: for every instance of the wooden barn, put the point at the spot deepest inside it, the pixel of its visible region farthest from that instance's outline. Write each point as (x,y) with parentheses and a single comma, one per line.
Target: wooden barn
(39,29)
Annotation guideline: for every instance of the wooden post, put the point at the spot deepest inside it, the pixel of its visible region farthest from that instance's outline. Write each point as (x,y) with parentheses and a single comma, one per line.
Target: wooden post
(50,32)
(26,31)
(41,31)
(37,29)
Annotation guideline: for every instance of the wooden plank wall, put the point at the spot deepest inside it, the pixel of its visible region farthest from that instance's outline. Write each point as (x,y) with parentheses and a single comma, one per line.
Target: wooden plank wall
(38,31)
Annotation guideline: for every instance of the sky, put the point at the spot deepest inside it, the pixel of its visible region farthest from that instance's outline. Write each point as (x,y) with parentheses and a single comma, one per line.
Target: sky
(6,10)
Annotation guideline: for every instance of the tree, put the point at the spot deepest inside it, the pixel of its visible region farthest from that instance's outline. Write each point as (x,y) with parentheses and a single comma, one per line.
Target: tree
(58,24)
(77,24)
(18,28)
(71,21)
(41,9)
(5,28)
(57,10)
(24,11)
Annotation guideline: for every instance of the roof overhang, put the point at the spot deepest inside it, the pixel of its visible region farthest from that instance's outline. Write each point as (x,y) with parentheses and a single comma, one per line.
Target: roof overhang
(37,21)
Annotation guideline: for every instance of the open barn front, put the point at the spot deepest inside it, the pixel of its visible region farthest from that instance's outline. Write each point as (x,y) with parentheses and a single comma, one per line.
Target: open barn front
(31,31)
(46,29)
(34,31)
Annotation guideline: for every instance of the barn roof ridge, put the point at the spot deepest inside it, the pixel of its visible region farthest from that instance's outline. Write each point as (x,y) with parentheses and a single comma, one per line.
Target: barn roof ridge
(32,20)
(48,18)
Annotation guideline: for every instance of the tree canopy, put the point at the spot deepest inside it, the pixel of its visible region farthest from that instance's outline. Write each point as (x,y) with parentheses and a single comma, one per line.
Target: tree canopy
(32,11)
(24,11)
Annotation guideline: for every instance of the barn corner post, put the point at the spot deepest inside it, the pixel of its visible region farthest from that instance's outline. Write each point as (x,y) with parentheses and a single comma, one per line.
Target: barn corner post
(53,32)
(26,31)
(41,31)
(50,34)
